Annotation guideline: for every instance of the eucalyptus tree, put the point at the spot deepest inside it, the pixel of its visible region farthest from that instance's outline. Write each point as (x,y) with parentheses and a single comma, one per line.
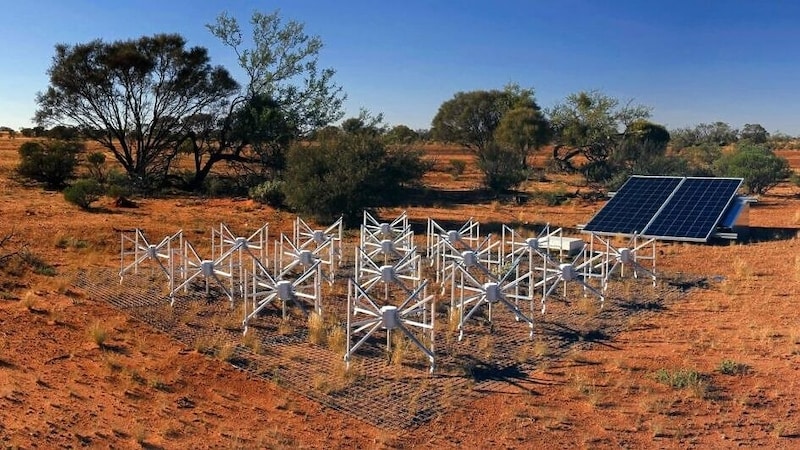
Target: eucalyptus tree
(134,95)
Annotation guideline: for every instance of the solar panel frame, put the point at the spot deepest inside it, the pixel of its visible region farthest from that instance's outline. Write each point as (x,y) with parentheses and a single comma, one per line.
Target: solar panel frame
(694,209)
(634,205)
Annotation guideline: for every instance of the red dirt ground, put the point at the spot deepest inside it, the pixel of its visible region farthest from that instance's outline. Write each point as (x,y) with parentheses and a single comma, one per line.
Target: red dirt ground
(59,389)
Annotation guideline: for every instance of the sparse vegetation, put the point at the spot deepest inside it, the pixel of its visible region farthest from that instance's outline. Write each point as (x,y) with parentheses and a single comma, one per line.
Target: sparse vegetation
(98,333)
(731,367)
(83,192)
(679,379)
(50,162)
(457,167)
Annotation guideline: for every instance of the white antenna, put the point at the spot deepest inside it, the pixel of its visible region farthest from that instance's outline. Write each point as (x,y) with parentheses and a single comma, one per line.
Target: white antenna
(579,270)
(416,311)
(630,257)
(194,267)
(474,286)
(445,245)
(325,244)
(406,270)
(287,287)
(391,246)
(388,230)
(230,248)
(135,250)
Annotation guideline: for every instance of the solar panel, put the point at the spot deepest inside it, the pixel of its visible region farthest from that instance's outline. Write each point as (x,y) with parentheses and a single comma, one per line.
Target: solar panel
(633,206)
(676,208)
(694,209)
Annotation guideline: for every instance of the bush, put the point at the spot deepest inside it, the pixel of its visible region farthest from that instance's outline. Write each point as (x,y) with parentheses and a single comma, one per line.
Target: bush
(118,184)
(342,175)
(679,379)
(269,192)
(96,162)
(83,192)
(502,168)
(760,167)
(51,162)
(731,367)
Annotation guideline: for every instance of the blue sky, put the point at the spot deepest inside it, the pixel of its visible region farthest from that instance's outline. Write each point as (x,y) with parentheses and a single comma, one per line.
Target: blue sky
(691,61)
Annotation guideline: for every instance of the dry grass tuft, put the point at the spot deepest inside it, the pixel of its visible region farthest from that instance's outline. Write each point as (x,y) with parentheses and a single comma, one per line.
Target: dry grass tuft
(285,327)
(98,334)
(227,352)
(316,329)
(337,340)
(251,341)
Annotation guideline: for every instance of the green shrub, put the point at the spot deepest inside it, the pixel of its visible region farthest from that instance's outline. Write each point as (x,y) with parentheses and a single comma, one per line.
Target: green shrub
(760,167)
(346,173)
(679,379)
(51,162)
(269,192)
(118,184)
(83,192)
(502,168)
(731,367)
(96,164)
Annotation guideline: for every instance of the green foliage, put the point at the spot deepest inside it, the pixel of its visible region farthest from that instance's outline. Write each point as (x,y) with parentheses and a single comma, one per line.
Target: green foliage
(501,168)
(51,162)
(701,158)
(139,90)
(35,262)
(523,129)
(96,165)
(282,62)
(643,131)
(401,135)
(501,127)
(731,367)
(347,173)
(471,118)
(551,198)
(795,179)
(118,184)
(83,192)
(754,133)
(679,379)
(760,167)
(717,133)
(269,192)
(589,124)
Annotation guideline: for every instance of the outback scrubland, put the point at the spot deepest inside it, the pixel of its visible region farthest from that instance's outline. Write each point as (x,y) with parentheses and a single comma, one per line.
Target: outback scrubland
(713,367)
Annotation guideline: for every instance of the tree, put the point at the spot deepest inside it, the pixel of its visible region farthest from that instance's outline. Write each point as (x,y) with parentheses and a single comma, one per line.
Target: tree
(500,127)
(401,135)
(717,133)
(590,124)
(642,140)
(522,129)
(135,93)
(754,133)
(471,118)
(285,97)
(760,167)
(345,173)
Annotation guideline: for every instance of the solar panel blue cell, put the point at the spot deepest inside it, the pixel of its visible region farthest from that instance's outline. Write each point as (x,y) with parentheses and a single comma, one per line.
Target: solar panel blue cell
(695,208)
(633,206)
